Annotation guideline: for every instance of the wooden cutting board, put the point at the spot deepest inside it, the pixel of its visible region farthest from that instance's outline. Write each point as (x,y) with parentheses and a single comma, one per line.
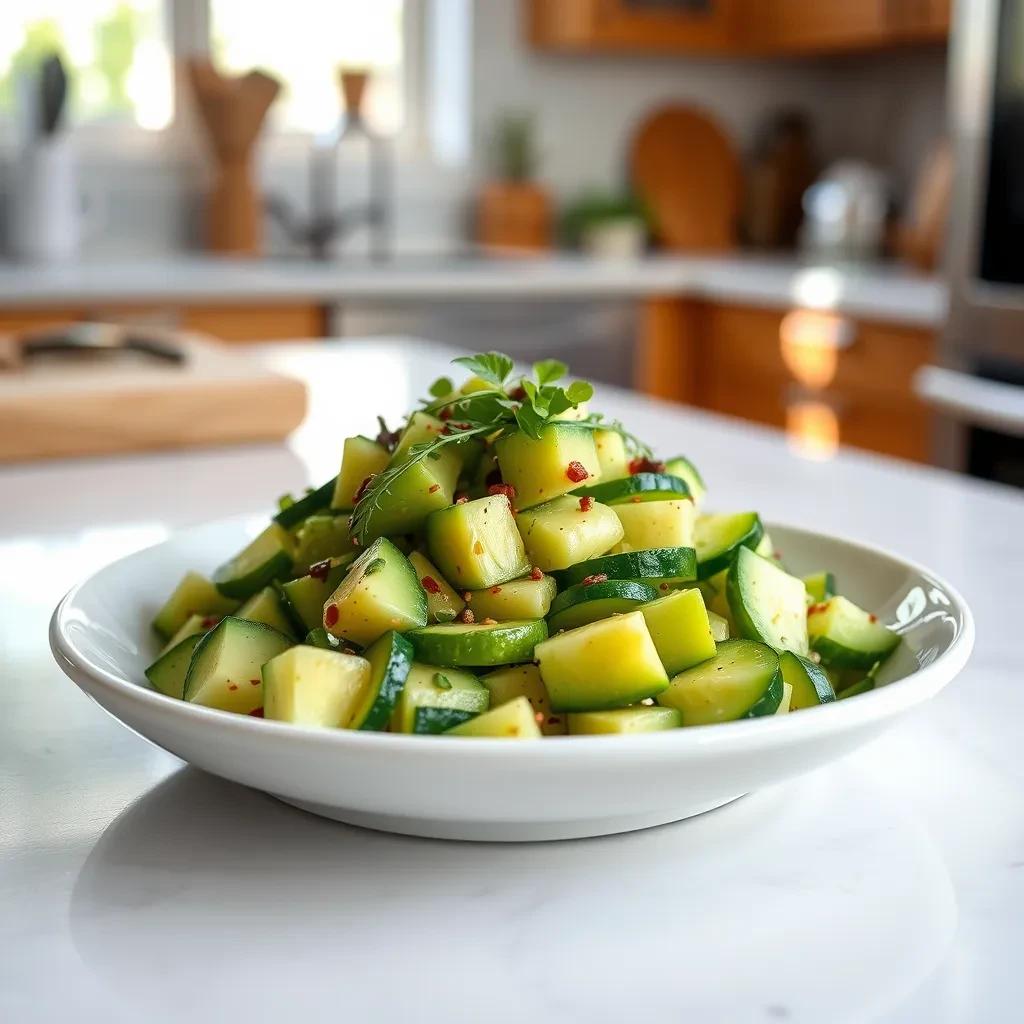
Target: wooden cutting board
(56,406)
(687,171)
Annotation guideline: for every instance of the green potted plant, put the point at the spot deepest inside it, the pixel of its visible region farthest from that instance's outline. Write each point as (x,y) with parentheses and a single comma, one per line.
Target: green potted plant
(607,225)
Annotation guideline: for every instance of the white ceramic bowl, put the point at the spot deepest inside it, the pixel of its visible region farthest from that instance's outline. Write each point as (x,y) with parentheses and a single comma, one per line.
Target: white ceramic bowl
(497,789)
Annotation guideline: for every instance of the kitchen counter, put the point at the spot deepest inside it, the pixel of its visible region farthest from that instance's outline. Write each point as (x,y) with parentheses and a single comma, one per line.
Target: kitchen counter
(887,886)
(892,293)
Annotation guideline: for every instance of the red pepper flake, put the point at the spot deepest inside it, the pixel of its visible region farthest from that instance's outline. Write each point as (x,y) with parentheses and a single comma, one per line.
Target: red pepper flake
(536,574)
(254,682)
(256,713)
(646,466)
(478,548)
(210,621)
(507,489)
(598,577)
(467,616)
(488,621)
(815,608)
(495,590)
(586,503)
(232,686)
(872,618)
(445,414)
(518,393)
(539,717)
(576,471)
(636,499)
(430,585)
(461,499)
(331,615)
(319,570)
(446,430)
(554,720)
(433,488)
(362,489)
(467,596)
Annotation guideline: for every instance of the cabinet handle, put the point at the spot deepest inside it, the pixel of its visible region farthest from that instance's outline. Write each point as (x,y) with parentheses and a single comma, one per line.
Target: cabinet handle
(972,400)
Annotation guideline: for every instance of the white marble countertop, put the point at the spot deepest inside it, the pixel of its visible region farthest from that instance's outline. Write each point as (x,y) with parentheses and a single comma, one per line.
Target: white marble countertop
(885,292)
(887,886)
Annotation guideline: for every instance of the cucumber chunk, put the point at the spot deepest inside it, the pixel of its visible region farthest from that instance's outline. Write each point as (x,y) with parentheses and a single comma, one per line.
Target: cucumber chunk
(476,544)
(656,524)
(554,464)
(225,671)
(820,587)
(687,472)
(640,487)
(808,683)
(190,627)
(360,458)
(319,637)
(433,721)
(300,510)
(505,684)
(717,538)
(743,680)
(194,595)
(265,559)
(847,636)
(719,626)
(560,533)
(663,568)
(623,721)
(167,673)
(786,704)
(605,664)
(305,597)
(421,427)
(456,643)
(515,720)
(311,686)
(518,599)
(380,592)
(266,607)
(681,630)
(612,456)
(767,604)
(585,603)
(443,603)
(321,537)
(390,660)
(428,686)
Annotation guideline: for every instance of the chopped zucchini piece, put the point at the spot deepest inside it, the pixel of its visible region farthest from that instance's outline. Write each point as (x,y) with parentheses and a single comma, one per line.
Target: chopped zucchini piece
(360,458)
(636,488)
(319,637)
(305,597)
(689,474)
(192,625)
(167,673)
(265,559)
(820,587)
(786,704)
(612,456)
(847,636)
(807,681)
(681,630)
(561,532)
(512,721)
(563,458)
(390,660)
(663,568)
(767,604)
(311,686)
(585,603)
(518,599)
(428,686)
(443,603)
(321,537)
(433,721)
(505,684)
(641,718)
(717,538)
(500,643)
(266,607)
(719,626)
(301,509)
(194,595)
(656,524)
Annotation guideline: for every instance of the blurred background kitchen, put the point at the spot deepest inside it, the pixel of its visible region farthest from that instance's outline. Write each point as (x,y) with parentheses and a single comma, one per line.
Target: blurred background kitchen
(808,215)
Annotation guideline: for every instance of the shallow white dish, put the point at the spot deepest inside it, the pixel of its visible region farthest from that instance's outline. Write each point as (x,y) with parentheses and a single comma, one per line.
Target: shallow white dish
(502,790)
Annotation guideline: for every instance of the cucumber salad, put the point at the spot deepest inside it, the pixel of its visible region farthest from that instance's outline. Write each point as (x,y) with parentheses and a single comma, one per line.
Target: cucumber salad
(511,565)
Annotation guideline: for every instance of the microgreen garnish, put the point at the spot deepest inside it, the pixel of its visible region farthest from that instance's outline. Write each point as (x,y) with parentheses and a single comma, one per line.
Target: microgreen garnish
(442,682)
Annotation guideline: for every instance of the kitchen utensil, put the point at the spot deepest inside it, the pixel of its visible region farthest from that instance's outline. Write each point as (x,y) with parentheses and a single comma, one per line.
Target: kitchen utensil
(844,213)
(85,339)
(686,169)
(53,87)
(922,234)
(556,788)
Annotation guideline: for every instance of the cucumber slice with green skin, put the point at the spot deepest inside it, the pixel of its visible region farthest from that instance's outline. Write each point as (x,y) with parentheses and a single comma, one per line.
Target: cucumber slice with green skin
(582,604)
(623,721)
(266,607)
(687,472)
(515,720)
(563,458)
(380,592)
(767,604)
(606,664)
(743,680)
(428,686)
(809,683)
(612,456)
(717,538)
(311,686)
(856,689)
(443,603)
(167,673)
(476,544)
(671,566)
(639,487)
(472,644)
(321,537)
(225,670)
(193,624)
(319,637)
(786,704)
(847,636)
(305,597)
(518,599)
(301,509)
(820,587)
(390,661)
(265,559)
(433,721)
(194,595)
(719,626)
(360,458)
(420,428)
(561,533)
(656,524)
(506,684)
(681,629)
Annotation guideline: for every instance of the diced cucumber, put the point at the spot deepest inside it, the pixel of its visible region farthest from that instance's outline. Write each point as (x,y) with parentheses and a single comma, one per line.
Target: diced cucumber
(380,592)
(719,626)
(225,669)
(301,509)
(681,630)
(321,537)
(585,603)
(688,473)
(260,562)
(518,599)
(457,643)
(360,458)
(443,603)
(190,627)
(847,636)
(194,595)
(656,524)
(505,684)
(512,721)
(433,721)
(558,462)
(743,680)
(390,660)
(560,533)
(820,587)
(663,568)
(717,538)
(476,544)
(612,456)
(266,607)
(767,604)
(420,428)
(786,704)
(319,637)
(167,673)
(810,685)
(311,686)
(639,487)
(605,664)
(428,686)
(641,718)
(305,597)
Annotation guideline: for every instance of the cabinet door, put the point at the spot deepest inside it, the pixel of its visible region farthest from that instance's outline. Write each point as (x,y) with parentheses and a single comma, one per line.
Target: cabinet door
(813,26)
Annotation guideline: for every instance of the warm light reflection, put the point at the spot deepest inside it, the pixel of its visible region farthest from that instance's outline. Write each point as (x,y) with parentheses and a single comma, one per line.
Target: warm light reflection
(810,343)
(817,287)
(812,429)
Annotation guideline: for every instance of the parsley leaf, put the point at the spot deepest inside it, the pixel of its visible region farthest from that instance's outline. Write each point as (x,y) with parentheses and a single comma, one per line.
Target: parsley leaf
(549,370)
(441,387)
(493,367)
